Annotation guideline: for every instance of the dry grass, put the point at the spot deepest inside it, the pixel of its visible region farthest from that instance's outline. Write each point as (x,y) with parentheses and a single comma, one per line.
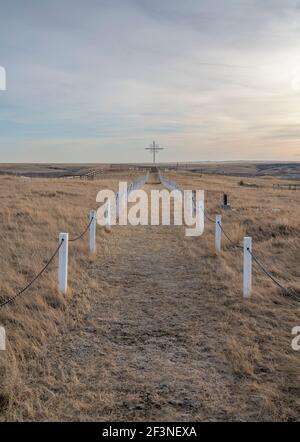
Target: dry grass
(33,212)
(168,335)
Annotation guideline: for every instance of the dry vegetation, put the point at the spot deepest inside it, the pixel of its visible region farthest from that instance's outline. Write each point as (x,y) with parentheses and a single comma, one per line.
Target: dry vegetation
(33,212)
(153,327)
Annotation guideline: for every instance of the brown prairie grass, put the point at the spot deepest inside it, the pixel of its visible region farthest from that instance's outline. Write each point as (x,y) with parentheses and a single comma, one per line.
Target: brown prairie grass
(248,342)
(258,332)
(33,212)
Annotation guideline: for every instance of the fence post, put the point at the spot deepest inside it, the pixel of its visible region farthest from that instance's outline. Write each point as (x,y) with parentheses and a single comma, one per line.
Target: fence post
(247,267)
(218,238)
(226,203)
(93,221)
(107,220)
(63,263)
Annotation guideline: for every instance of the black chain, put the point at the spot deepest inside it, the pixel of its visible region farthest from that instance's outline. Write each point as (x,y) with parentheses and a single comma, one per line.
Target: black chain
(84,232)
(34,279)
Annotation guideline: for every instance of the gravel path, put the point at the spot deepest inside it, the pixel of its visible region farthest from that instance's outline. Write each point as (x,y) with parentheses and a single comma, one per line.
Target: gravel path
(145,350)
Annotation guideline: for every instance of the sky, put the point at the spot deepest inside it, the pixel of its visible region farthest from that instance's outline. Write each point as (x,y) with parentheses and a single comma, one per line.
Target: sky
(98,80)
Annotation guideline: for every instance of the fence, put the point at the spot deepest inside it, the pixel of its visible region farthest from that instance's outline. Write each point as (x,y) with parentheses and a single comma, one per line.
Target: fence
(291,186)
(248,255)
(130,188)
(169,184)
(62,249)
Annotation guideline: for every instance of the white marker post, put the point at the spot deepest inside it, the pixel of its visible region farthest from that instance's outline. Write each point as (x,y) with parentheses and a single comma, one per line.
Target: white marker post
(218,238)
(107,221)
(63,263)
(247,280)
(93,231)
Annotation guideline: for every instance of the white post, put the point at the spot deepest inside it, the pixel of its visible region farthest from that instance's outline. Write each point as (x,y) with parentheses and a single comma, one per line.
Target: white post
(93,231)
(247,267)
(107,221)
(218,238)
(63,263)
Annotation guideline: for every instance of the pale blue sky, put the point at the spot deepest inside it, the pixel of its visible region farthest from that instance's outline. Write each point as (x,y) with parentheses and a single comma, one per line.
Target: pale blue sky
(98,80)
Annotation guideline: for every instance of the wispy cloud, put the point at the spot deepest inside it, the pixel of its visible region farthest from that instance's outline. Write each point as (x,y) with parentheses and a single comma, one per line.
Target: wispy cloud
(97,80)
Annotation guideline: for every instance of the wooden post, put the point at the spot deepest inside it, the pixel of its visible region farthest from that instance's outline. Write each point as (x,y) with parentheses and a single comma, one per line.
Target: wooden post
(218,238)
(63,263)
(226,203)
(93,231)
(247,279)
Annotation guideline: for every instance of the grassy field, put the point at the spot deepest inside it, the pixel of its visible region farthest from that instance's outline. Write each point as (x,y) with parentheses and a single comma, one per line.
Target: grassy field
(154,326)
(286,170)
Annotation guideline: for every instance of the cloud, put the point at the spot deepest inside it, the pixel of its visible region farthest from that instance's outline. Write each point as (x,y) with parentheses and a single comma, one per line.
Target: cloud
(208,79)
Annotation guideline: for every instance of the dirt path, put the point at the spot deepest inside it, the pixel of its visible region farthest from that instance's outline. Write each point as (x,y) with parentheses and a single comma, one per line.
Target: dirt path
(149,348)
